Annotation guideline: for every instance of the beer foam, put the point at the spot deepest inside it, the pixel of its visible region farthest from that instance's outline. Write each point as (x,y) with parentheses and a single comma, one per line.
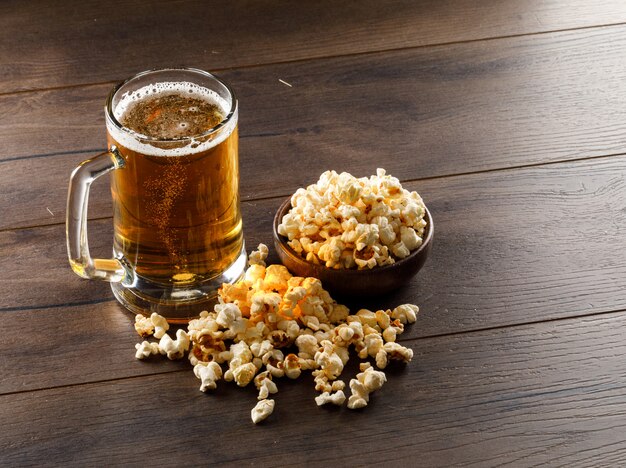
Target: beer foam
(129,139)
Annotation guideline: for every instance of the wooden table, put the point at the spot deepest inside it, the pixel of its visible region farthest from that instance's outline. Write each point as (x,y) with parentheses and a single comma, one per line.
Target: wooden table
(508,117)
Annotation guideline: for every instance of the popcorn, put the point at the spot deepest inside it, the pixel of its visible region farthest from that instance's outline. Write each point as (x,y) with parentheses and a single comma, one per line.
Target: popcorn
(241,368)
(400,250)
(258,256)
(338,313)
(258,319)
(279,338)
(410,238)
(291,329)
(227,314)
(146,349)
(330,360)
(143,325)
(398,352)
(274,363)
(406,313)
(367,317)
(263,382)
(254,273)
(367,381)
(262,410)
(345,222)
(321,380)
(311,321)
(373,343)
(336,398)
(174,349)
(307,346)
(264,303)
(207,346)
(383,319)
(276,277)
(307,364)
(160,325)
(260,349)
(338,385)
(204,324)
(393,330)
(208,373)
(348,333)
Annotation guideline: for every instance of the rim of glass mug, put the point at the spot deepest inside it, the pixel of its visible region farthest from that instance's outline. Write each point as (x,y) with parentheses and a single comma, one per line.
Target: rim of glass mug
(183,145)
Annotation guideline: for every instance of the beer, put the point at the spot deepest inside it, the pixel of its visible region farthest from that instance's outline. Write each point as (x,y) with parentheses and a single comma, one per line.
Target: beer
(176,202)
(173,162)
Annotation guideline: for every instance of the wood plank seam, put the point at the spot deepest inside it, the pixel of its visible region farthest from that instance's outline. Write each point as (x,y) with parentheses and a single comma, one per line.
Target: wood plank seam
(352,54)
(406,342)
(401,338)
(54,306)
(404,181)
(57,153)
(119,379)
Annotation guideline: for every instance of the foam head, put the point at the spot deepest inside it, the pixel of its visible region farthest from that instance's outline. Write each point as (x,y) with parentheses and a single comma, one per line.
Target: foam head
(176,146)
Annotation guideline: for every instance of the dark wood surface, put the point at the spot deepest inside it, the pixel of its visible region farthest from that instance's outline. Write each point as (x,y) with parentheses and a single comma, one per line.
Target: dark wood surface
(48,44)
(424,112)
(506,116)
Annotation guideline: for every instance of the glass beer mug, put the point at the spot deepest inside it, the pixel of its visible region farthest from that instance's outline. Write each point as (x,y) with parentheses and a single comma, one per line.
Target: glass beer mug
(173,163)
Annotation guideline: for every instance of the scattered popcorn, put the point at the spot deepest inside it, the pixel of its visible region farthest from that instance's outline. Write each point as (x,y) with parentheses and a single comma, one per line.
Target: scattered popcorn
(345,222)
(143,325)
(274,363)
(146,349)
(208,373)
(291,365)
(365,383)
(160,325)
(174,349)
(329,360)
(398,352)
(307,346)
(241,368)
(406,313)
(338,385)
(336,398)
(258,256)
(272,324)
(265,385)
(262,410)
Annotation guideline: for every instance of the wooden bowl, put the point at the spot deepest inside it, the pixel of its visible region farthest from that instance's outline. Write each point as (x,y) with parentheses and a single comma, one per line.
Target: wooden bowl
(344,282)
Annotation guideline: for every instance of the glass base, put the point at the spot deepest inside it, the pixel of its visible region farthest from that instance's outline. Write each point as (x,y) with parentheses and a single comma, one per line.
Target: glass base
(178,304)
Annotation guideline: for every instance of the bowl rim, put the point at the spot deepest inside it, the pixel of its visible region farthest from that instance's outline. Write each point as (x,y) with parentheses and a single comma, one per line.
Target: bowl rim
(398,264)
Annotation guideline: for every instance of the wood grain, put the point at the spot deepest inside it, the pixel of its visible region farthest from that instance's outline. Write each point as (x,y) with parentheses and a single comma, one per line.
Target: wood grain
(86,43)
(72,344)
(419,113)
(549,393)
(511,247)
(508,116)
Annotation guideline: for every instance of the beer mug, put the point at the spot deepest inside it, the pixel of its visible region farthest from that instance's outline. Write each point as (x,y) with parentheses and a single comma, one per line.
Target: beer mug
(174,171)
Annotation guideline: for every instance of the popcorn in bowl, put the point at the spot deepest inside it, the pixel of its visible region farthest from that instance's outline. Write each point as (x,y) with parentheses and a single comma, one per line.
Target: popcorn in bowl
(345,222)
(272,325)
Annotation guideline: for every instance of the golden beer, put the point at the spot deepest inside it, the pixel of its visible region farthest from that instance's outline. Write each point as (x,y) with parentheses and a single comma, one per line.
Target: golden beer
(176,211)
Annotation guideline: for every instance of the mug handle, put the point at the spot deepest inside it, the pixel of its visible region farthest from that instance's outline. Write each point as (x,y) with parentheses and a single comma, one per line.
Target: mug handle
(106,269)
